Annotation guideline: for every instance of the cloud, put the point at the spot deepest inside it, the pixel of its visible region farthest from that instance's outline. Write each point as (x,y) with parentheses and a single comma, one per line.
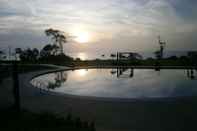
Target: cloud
(117,23)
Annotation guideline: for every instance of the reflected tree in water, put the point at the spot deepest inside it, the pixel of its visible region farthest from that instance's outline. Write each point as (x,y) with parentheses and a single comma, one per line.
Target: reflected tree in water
(191,74)
(113,71)
(60,78)
(123,72)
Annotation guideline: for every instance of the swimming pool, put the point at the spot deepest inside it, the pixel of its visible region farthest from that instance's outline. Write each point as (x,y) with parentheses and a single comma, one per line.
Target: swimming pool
(121,83)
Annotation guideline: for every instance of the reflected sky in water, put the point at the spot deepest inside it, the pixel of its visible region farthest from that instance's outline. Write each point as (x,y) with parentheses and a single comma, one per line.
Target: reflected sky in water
(120,83)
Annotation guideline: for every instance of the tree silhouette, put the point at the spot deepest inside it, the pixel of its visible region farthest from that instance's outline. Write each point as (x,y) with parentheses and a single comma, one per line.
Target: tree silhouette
(49,50)
(57,37)
(18,50)
(2,55)
(27,54)
(60,78)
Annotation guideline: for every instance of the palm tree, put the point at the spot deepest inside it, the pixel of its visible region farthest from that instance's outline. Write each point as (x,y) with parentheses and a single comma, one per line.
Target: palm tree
(35,53)
(58,37)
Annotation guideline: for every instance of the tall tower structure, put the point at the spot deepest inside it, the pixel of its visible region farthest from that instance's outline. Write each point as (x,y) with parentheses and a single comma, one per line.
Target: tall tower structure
(162,45)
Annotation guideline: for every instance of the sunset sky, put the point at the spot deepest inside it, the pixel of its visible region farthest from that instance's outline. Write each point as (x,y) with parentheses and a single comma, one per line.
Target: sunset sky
(100,25)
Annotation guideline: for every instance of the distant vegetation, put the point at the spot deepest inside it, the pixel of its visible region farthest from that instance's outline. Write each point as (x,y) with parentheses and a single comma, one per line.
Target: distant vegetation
(53,53)
(50,53)
(169,61)
(2,55)
(47,56)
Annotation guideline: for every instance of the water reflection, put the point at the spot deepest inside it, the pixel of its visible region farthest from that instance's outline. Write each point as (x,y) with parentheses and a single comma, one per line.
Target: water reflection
(122,82)
(60,78)
(82,72)
(157,68)
(191,73)
(123,72)
(113,71)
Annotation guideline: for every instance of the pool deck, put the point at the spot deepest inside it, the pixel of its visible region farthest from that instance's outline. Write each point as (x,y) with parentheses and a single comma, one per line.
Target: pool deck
(108,114)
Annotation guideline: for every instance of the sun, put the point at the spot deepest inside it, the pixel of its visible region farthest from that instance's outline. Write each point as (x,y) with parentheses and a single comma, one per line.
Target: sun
(82,56)
(82,37)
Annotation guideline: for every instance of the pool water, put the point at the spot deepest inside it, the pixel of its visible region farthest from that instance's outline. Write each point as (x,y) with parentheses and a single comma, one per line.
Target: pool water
(121,83)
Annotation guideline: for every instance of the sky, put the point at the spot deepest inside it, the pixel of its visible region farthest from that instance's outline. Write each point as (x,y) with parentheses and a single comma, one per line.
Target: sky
(110,25)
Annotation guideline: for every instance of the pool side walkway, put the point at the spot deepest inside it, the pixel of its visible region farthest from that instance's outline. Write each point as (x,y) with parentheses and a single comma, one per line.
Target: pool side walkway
(108,115)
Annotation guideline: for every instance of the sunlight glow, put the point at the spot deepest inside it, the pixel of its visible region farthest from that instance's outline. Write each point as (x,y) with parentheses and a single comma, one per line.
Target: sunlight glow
(82,37)
(82,56)
(82,72)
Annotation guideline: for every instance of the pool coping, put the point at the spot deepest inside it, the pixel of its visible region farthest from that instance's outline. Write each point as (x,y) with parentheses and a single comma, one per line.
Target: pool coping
(104,99)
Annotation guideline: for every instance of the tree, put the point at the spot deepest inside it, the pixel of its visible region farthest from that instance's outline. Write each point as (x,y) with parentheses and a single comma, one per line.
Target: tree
(18,50)
(35,52)
(46,51)
(27,54)
(2,55)
(174,57)
(58,38)
(185,58)
(49,50)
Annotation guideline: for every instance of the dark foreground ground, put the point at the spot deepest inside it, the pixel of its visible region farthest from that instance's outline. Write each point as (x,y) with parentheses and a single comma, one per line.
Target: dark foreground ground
(27,121)
(178,115)
(133,115)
